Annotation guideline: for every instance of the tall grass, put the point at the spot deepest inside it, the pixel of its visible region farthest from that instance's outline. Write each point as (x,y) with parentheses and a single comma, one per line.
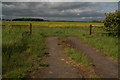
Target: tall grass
(108,45)
(20,50)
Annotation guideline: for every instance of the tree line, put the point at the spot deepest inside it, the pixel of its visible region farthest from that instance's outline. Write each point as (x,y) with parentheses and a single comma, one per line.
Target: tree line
(24,19)
(28,19)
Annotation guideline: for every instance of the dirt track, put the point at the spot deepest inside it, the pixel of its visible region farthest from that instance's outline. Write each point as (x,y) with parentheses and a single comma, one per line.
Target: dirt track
(59,63)
(102,65)
(59,66)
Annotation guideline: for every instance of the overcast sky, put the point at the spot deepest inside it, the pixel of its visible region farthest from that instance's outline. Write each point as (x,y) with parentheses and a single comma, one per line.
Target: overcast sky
(75,11)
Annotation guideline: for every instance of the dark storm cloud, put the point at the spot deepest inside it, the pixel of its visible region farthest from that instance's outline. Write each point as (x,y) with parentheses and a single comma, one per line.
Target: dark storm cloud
(56,10)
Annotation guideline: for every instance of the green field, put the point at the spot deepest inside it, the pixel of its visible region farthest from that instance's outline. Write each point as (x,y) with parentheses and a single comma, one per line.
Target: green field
(20,49)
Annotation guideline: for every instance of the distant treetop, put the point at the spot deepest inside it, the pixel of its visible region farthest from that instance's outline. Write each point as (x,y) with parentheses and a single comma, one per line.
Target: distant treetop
(28,19)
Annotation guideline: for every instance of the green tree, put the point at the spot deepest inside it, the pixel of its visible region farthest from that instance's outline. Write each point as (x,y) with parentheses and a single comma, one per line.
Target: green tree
(112,23)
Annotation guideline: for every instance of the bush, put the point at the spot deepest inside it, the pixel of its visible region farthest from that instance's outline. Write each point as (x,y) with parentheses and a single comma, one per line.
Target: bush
(111,22)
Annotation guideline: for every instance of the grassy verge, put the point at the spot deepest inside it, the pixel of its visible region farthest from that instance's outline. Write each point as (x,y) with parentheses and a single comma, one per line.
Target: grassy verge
(108,45)
(21,51)
(80,59)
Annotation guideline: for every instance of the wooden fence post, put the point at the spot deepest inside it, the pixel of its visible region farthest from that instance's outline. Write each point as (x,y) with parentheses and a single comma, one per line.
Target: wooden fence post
(90,29)
(30,28)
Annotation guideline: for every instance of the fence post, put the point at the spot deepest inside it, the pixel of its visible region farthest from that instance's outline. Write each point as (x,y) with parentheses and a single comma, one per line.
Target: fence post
(90,29)
(30,28)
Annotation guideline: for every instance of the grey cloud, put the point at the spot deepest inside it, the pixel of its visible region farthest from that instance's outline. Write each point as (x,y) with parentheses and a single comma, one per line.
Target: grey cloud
(63,10)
